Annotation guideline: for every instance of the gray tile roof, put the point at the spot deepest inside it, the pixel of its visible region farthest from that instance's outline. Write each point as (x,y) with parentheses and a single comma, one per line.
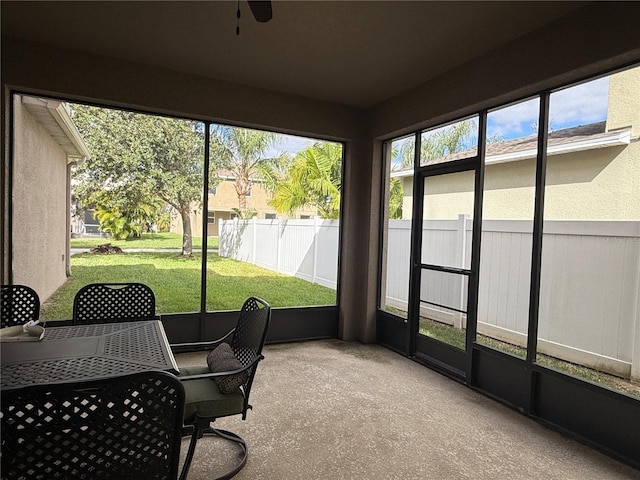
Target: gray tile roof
(557,137)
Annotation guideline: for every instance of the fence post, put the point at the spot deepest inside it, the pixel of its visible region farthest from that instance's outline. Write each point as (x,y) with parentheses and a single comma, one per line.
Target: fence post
(316,228)
(635,346)
(253,241)
(461,252)
(221,237)
(278,242)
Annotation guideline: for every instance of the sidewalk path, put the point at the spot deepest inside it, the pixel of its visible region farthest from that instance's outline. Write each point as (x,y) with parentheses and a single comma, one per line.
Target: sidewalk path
(138,250)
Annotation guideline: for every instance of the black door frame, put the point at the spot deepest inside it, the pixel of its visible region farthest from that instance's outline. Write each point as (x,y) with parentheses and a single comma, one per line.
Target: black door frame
(439,355)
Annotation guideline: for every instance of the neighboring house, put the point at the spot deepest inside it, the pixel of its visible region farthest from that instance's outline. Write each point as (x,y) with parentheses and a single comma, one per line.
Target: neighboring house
(223,199)
(85,224)
(46,146)
(598,163)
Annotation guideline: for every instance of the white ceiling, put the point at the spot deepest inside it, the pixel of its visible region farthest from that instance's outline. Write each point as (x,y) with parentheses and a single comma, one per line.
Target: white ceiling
(355,53)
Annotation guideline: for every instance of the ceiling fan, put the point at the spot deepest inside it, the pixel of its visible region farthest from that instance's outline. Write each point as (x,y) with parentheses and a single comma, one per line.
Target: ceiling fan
(261,10)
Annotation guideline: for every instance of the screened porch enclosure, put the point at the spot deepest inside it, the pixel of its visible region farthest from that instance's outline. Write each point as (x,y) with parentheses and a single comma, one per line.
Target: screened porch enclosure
(133,206)
(488,224)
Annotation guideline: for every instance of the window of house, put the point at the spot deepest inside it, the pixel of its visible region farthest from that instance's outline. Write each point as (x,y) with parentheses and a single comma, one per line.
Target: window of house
(507,226)
(294,258)
(456,141)
(145,200)
(590,268)
(399,161)
(587,317)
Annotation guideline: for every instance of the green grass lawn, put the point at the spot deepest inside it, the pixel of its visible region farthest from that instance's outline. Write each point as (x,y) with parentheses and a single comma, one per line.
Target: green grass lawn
(176,283)
(147,240)
(456,337)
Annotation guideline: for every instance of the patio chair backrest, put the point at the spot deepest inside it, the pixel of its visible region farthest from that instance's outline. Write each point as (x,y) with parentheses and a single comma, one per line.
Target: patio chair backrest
(249,337)
(120,427)
(19,305)
(113,302)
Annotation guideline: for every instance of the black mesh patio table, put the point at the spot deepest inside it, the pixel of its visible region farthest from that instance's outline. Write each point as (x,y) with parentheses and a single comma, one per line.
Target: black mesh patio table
(86,352)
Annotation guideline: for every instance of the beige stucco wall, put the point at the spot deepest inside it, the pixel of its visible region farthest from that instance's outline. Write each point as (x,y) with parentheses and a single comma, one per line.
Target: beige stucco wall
(624,101)
(39,206)
(224,200)
(600,184)
(597,184)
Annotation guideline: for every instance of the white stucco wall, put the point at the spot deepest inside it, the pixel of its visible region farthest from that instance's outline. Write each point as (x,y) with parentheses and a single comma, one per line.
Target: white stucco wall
(39,206)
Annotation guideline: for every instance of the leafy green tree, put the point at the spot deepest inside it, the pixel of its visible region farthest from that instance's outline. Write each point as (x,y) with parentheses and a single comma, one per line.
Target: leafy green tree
(313,181)
(396,197)
(138,163)
(244,152)
(446,141)
(247,214)
(122,218)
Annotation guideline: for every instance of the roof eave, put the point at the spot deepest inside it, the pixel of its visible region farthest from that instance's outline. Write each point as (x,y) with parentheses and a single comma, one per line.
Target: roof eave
(612,139)
(55,117)
(620,137)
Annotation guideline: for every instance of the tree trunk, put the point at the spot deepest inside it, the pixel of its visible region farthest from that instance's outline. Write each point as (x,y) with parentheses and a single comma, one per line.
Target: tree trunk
(242,190)
(187,242)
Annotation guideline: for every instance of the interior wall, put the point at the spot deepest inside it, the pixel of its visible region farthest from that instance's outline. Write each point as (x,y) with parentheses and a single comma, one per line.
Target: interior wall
(358,260)
(80,76)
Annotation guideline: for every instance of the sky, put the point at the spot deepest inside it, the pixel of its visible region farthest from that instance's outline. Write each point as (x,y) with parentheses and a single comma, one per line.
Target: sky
(293,144)
(578,105)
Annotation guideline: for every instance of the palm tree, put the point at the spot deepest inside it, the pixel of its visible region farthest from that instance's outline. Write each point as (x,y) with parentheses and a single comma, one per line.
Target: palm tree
(396,197)
(313,180)
(243,152)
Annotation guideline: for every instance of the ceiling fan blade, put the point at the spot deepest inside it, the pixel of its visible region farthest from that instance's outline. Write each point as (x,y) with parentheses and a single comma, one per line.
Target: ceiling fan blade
(261,10)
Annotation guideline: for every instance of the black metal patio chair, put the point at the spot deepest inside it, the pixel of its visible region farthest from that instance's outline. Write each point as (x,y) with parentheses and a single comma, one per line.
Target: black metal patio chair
(222,387)
(113,302)
(121,427)
(20,304)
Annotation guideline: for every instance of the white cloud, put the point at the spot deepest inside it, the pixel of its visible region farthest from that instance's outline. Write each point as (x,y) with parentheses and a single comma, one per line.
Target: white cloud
(291,144)
(515,120)
(580,105)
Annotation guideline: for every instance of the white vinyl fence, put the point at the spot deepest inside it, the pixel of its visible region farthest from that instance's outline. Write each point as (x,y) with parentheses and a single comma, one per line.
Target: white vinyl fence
(589,298)
(307,249)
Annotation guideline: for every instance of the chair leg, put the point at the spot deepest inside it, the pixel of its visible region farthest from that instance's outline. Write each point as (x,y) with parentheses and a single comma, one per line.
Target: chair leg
(203,428)
(192,447)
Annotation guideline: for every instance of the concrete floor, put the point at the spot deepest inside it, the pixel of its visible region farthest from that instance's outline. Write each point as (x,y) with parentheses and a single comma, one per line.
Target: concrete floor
(338,410)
